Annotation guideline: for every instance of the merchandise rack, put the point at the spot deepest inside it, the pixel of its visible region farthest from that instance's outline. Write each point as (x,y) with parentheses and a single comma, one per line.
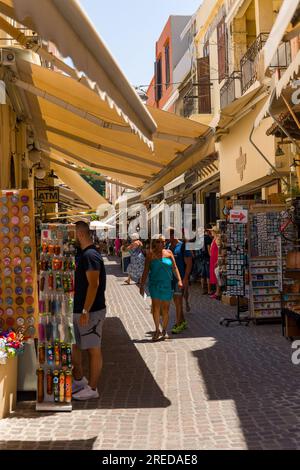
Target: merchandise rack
(236,265)
(18,296)
(263,232)
(56,336)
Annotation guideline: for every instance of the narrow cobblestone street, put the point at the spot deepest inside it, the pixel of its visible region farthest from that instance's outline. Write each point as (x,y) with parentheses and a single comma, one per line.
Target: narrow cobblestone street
(209,388)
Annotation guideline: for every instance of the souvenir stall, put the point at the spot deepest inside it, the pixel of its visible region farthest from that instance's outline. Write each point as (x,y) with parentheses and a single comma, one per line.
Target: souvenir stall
(18,295)
(55,328)
(264,231)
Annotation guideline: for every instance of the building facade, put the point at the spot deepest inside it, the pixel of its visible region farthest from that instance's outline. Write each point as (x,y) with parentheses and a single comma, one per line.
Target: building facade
(170,49)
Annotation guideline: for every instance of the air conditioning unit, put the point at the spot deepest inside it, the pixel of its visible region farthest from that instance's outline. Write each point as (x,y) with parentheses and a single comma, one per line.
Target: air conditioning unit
(7,57)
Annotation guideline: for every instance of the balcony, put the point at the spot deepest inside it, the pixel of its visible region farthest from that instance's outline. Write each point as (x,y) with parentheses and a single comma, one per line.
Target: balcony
(190,102)
(282,58)
(231,90)
(250,60)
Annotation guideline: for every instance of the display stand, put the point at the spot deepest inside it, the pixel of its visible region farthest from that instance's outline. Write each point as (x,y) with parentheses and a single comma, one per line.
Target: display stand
(18,296)
(236,267)
(56,288)
(264,228)
(241,308)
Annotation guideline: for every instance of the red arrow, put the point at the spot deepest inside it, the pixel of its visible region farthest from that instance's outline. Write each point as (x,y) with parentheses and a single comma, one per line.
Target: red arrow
(242,216)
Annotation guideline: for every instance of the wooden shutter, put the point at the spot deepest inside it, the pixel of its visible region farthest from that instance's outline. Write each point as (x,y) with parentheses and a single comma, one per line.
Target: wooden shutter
(167,60)
(204,102)
(158,80)
(222,50)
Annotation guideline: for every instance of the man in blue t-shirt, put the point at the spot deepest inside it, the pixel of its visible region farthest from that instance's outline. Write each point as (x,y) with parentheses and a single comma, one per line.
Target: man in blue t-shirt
(184,263)
(89,313)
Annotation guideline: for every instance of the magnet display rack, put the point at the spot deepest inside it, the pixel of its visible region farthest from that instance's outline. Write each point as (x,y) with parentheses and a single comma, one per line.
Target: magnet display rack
(18,295)
(233,238)
(265,297)
(55,328)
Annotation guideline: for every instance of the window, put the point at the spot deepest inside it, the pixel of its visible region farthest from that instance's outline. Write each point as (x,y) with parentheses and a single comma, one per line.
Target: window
(222,50)
(167,61)
(158,80)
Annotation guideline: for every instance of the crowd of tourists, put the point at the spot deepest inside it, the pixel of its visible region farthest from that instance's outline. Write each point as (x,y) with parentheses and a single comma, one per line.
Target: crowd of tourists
(162,269)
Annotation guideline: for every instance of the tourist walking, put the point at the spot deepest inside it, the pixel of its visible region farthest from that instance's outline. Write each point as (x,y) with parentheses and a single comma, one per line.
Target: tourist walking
(161,267)
(89,314)
(118,244)
(214,253)
(205,261)
(183,259)
(137,259)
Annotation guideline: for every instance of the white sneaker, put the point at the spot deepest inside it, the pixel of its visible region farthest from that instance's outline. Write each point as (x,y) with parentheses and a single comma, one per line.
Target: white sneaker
(86,393)
(79,384)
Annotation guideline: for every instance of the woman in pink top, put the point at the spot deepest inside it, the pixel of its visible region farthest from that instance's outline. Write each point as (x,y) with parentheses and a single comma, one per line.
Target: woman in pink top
(214,253)
(118,244)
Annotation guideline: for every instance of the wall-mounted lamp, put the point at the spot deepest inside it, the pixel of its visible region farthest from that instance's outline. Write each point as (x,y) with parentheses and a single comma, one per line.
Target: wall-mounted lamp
(294,165)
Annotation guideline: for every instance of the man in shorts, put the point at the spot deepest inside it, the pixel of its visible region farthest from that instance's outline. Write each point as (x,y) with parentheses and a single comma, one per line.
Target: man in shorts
(89,314)
(184,263)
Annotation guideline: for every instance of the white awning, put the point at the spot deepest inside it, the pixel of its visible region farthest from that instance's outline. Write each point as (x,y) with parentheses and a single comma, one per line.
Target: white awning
(280,26)
(173,184)
(274,101)
(64,23)
(156,209)
(83,189)
(291,72)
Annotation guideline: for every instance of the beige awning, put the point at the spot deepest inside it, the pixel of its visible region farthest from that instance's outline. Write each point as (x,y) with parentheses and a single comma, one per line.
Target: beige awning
(83,189)
(280,26)
(64,23)
(73,124)
(230,112)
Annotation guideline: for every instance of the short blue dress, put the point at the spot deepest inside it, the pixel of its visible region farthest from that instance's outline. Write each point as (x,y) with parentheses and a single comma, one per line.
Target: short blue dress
(160,279)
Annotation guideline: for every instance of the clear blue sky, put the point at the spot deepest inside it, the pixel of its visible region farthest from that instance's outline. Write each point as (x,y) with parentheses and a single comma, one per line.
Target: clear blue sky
(130,29)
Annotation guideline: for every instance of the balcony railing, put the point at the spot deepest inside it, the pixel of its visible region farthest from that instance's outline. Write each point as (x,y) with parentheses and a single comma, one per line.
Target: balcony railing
(282,57)
(249,62)
(190,102)
(231,90)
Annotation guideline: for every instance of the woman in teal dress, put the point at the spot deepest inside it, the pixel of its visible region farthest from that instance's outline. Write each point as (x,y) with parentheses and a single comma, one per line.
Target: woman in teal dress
(161,267)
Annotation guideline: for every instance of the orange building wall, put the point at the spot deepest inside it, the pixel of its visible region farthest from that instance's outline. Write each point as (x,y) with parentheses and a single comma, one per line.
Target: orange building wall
(165,37)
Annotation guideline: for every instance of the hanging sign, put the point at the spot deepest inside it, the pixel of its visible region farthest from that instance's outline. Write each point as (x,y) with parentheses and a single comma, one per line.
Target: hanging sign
(238,216)
(48,195)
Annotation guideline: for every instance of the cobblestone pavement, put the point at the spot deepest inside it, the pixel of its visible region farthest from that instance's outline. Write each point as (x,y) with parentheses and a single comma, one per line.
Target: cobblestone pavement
(211,387)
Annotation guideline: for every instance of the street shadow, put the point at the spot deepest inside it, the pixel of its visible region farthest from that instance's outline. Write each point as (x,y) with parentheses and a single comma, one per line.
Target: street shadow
(80,444)
(251,366)
(126,382)
(112,271)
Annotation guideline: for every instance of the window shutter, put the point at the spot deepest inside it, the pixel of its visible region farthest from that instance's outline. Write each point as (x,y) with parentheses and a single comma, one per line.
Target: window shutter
(222,50)
(204,101)
(158,80)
